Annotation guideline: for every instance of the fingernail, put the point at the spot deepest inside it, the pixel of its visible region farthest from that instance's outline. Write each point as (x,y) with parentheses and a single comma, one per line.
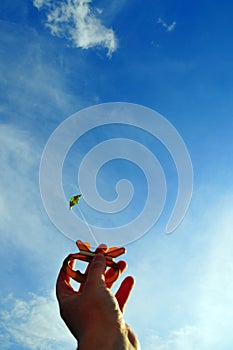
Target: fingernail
(102,246)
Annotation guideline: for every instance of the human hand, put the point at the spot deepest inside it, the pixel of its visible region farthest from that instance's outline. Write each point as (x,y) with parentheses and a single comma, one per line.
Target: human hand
(93,314)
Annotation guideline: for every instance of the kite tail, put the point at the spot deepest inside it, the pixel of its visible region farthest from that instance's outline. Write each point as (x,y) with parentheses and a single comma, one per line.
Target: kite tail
(92,234)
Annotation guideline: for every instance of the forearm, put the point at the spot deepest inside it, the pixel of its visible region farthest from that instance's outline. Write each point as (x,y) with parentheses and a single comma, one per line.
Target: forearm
(106,343)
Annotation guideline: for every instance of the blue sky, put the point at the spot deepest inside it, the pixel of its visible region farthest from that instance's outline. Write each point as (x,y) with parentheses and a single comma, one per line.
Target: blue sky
(173,57)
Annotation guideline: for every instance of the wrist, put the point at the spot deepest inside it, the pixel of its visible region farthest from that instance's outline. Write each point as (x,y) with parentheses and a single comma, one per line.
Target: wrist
(105,339)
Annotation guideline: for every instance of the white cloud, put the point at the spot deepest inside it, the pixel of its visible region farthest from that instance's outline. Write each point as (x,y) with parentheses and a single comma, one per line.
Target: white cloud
(39,3)
(18,193)
(40,91)
(209,326)
(169,28)
(22,223)
(78,22)
(34,323)
(176,340)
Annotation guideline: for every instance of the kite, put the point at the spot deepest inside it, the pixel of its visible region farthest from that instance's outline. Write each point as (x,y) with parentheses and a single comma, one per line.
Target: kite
(74,200)
(85,254)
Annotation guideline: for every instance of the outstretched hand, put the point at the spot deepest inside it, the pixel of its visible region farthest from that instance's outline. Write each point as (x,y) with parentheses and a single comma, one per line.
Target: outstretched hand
(93,314)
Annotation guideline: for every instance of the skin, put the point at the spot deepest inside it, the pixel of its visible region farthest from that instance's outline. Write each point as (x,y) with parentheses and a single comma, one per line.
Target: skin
(93,314)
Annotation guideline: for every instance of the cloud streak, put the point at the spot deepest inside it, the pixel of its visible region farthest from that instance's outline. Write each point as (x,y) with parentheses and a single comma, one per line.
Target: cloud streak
(22,217)
(169,28)
(210,324)
(34,324)
(78,22)
(33,321)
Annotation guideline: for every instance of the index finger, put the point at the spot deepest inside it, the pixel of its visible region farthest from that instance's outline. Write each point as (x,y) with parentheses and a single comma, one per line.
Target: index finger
(100,249)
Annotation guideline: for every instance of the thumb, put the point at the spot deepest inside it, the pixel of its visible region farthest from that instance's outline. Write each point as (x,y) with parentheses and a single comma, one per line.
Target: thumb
(95,275)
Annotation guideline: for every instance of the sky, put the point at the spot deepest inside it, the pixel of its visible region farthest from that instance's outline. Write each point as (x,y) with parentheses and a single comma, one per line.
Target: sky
(175,58)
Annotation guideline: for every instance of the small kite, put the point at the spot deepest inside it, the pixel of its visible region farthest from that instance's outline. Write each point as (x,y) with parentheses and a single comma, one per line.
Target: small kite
(74,200)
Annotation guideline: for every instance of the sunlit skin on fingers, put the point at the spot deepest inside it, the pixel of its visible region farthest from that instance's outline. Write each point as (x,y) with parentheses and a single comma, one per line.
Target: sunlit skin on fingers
(92,313)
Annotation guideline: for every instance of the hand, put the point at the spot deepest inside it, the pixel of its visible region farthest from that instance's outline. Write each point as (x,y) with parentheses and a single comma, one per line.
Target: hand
(93,314)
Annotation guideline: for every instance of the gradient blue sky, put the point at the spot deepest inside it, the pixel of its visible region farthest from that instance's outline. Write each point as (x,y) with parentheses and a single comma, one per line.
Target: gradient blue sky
(174,57)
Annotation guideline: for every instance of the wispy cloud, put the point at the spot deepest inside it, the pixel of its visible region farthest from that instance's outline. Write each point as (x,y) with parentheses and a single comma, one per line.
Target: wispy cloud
(20,203)
(210,324)
(168,27)
(180,339)
(40,91)
(79,22)
(34,324)
(19,159)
